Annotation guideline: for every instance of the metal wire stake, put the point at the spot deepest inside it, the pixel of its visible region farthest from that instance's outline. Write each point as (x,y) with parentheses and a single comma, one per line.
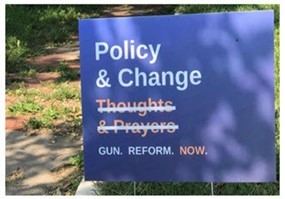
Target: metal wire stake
(134,188)
(212,188)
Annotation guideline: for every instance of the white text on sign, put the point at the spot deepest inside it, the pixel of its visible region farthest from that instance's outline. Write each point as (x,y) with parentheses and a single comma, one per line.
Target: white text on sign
(128,51)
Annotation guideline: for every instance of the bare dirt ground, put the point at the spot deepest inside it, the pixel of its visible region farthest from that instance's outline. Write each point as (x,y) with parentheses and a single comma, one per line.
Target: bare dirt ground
(34,164)
(37,163)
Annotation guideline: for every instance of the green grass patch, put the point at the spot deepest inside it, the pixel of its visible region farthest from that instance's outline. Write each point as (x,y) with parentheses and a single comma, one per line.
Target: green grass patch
(187,9)
(15,54)
(26,106)
(28,73)
(20,90)
(277,68)
(76,160)
(29,27)
(153,188)
(52,113)
(67,74)
(16,88)
(65,92)
(75,182)
(247,189)
(34,123)
(40,24)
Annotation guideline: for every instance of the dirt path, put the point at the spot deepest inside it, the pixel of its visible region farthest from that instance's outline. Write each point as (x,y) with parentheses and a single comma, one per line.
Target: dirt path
(37,163)
(33,163)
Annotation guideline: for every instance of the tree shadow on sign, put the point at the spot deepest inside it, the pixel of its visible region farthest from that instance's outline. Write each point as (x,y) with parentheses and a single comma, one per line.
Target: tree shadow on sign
(236,122)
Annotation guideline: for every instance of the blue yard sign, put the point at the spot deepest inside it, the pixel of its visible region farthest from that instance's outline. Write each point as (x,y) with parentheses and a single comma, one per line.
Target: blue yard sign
(179,98)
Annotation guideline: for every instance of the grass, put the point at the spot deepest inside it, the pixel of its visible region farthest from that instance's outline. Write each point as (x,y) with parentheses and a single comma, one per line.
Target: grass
(30,26)
(75,182)
(34,123)
(155,188)
(76,160)
(50,115)
(15,54)
(32,102)
(66,73)
(19,90)
(26,106)
(54,113)
(30,72)
(64,92)
(16,88)
(39,23)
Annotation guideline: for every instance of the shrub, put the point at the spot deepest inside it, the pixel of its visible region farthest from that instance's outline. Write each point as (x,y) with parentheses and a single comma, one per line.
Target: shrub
(15,54)
(26,106)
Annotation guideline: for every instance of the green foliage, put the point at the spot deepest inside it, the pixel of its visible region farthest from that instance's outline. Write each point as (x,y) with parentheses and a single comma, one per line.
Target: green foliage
(34,123)
(65,92)
(225,8)
(20,90)
(166,9)
(75,182)
(15,54)
(20,22)
(26,106)
(16,88)
(187,9)
(66,73)
(60,21)
(30,72)
(30,26)
(49,115)
(277,68)
(153,188)
(52,113)
(41,24)
(277,100)
(76,160)
(76,125)
(247,189)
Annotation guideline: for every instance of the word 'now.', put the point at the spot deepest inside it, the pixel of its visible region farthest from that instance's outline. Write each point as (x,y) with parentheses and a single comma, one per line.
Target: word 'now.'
(192,150)
(128,51)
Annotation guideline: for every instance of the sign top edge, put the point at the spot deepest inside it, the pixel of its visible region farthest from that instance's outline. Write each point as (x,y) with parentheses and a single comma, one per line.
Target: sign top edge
(175,15)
